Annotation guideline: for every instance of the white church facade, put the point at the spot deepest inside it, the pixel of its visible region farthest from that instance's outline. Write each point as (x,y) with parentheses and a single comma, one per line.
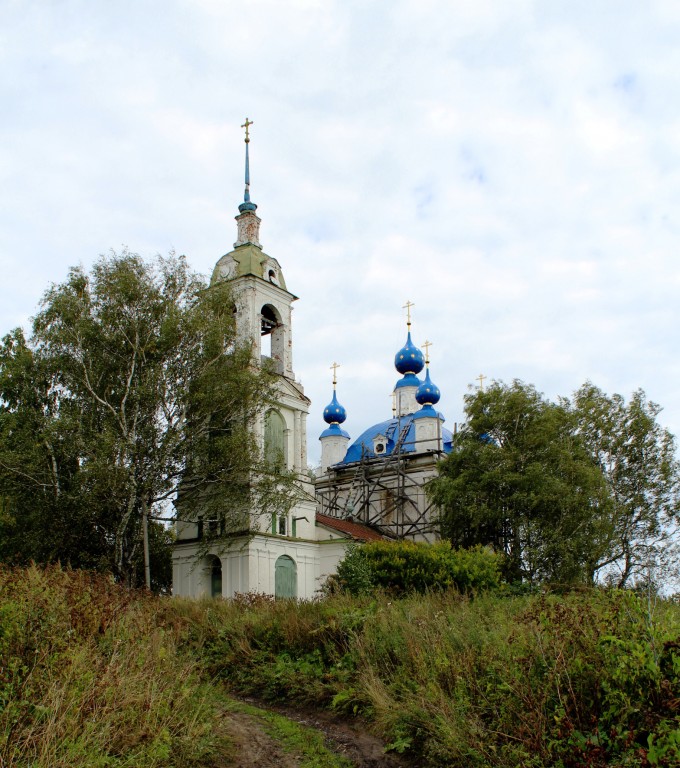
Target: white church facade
(369,489)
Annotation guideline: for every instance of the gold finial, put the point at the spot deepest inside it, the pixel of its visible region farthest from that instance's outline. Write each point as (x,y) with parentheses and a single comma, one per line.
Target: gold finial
(480,379)
(427,346)
(407,307)
(247,125)
(334,368)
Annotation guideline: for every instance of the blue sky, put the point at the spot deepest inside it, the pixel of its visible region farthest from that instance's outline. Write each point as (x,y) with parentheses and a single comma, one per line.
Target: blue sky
(511,167)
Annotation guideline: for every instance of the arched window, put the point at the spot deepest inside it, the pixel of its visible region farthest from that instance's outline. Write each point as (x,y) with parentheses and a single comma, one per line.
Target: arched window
(275,440)
(285,577)
(214,568)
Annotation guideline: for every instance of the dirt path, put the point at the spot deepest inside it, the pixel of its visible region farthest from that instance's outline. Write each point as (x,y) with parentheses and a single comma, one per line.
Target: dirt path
(347,737)
(254,746)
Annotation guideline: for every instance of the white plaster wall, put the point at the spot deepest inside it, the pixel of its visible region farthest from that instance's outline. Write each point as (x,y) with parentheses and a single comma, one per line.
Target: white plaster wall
(405,400)
(189,578)
(186,530)
(333,450)
(330,554)
(249,565)
(265,551)
(428,434)
(306,528)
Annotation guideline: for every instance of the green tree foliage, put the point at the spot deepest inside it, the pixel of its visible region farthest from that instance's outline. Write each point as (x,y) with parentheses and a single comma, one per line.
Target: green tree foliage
(130,370)
(405,566)
(638,460)
(563,489)
(521,480)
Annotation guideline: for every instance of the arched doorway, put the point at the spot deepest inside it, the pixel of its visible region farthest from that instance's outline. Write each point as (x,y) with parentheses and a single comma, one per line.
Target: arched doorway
(215,570)
(285,577)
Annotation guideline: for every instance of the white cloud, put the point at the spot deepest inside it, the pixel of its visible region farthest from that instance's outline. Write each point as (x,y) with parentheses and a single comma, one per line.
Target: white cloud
(512,168)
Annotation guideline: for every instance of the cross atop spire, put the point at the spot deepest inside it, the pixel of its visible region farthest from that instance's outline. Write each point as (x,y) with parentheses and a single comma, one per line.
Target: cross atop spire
(407,307)
(334,368)
(247,205)
(247,125)
(427,345)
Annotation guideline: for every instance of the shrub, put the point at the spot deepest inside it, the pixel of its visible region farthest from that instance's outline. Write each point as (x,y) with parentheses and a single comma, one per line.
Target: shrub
(404,567)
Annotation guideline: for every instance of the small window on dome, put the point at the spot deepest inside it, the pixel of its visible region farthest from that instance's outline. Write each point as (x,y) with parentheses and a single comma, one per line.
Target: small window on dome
(379,444)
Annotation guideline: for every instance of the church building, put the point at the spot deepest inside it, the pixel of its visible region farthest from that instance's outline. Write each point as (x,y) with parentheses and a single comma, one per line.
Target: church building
(365,490)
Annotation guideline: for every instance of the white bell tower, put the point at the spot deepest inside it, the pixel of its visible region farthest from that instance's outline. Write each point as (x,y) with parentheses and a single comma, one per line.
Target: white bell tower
(279,553)
(263,307)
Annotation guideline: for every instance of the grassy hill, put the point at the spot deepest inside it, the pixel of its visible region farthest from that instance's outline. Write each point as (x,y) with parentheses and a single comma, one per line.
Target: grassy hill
(93,675)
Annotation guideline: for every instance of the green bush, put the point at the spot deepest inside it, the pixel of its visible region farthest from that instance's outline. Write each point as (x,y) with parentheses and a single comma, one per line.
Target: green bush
(403,567)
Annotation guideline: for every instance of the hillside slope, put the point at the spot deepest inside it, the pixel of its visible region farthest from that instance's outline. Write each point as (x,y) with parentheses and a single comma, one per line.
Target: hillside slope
(93,675)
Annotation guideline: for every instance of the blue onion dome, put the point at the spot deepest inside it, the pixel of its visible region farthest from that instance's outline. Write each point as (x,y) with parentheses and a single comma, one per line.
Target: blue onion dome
(408,380)
(334,413)
(409,359)
(428,393)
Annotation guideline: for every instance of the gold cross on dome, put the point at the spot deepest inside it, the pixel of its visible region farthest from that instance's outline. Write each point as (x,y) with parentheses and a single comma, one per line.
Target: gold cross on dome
(335,367)
(427,345)
(480,379)
(247,125)
(407,307)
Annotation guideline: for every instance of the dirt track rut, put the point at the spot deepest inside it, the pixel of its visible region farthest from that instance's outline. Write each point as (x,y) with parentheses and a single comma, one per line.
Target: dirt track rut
(253,746)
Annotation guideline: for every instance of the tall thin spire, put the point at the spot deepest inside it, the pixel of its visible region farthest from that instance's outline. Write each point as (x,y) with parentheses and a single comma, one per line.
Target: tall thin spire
(247,221)
(247,205)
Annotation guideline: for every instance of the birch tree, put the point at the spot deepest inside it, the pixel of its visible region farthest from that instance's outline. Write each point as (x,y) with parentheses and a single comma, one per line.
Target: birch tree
(637,457)
(132,382)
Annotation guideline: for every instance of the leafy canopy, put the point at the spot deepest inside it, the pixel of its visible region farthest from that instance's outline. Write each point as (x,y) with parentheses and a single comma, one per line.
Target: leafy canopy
(563,489)
(132,386)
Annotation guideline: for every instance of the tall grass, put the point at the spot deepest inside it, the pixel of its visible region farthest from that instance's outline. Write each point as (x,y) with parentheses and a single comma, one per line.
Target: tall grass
(585,679)
(90,676)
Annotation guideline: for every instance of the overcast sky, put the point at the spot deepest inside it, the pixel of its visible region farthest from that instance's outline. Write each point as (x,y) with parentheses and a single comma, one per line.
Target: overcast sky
(511,167)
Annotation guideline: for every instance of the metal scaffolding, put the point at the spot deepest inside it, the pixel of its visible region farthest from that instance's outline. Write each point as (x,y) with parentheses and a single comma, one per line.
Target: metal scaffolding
(384,492)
